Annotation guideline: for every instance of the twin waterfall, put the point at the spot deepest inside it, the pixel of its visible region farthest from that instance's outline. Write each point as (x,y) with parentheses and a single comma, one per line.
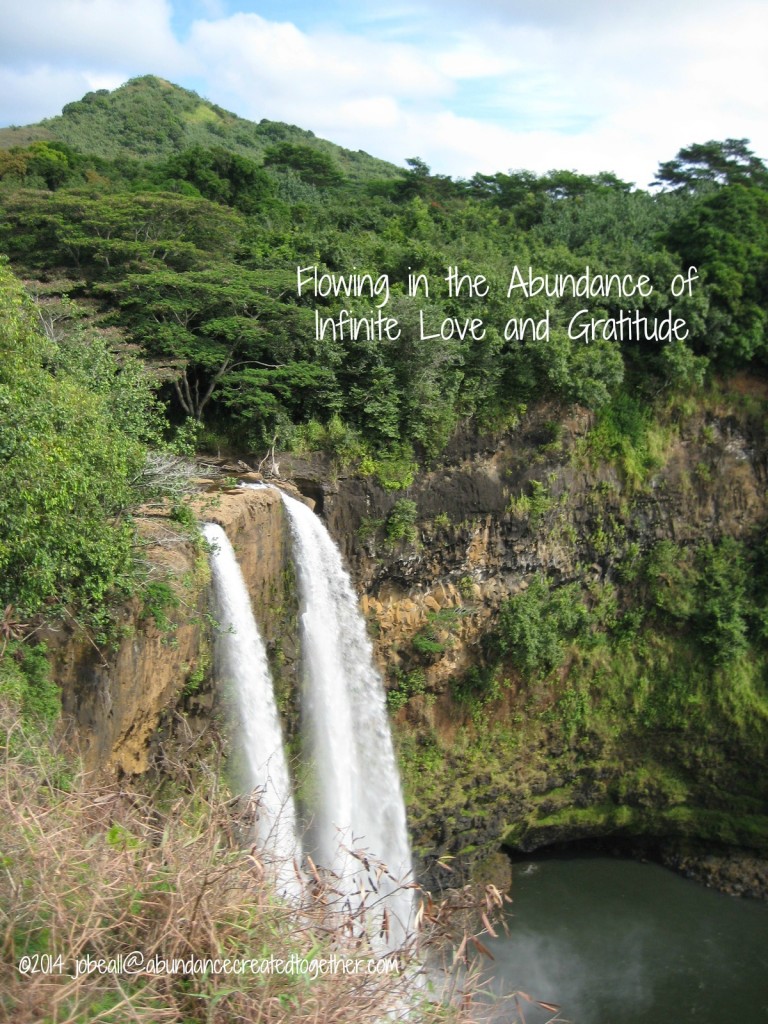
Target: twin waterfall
(354,816)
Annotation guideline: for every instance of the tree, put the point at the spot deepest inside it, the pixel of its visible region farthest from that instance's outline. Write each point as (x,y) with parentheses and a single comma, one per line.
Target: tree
(66,472)
(201,326)
(266,399)
(535,626)
(101,235)
(44,163)
(311,164)
(221,177)
(418,180)
(705,165)
(725,236)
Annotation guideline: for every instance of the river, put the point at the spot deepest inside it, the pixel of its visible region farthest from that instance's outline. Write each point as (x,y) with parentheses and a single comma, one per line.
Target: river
(615,941)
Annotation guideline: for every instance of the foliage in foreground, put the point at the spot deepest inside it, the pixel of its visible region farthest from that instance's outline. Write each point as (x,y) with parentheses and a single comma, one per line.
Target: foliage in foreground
(92,870)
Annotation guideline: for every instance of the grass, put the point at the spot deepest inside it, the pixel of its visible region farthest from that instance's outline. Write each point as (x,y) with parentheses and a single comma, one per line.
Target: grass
(92,872)
(629,437)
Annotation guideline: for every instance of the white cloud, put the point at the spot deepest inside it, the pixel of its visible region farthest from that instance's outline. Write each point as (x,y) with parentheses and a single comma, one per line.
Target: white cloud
(26,96)
(275,64)
(93,32)
(629,92)
(597,91)
(481,85)
(574,16)
(469,58)
(379,113)
(54,51)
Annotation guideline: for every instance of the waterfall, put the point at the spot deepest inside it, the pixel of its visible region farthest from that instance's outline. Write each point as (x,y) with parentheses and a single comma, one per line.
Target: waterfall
(241,660)
(358,804)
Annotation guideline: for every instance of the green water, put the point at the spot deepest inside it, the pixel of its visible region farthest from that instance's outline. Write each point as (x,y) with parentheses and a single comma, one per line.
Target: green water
(619,942)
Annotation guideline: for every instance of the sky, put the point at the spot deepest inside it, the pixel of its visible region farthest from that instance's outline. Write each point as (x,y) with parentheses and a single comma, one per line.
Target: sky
(466,85)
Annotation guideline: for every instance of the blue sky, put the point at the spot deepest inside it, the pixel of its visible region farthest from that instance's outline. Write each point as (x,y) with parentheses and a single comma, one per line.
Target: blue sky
(467,85)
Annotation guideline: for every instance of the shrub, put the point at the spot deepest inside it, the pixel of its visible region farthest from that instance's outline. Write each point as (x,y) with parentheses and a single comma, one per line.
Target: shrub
(159,599)
(26,683)
(723,604)
(396,468)
(535,625)
(96,871)
(67,469)
(401,521)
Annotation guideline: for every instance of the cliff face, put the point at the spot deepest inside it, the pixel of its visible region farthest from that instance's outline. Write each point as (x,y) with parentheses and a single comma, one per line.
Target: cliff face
(490,754)
(498,514)
(118,699)
(533,759)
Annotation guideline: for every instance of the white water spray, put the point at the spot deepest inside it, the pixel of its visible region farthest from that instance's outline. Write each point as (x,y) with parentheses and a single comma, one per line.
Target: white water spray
(241,660)
(358,804)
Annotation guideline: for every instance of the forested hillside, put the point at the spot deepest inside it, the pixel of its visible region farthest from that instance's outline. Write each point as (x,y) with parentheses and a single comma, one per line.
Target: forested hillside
(192,257)
(150,119)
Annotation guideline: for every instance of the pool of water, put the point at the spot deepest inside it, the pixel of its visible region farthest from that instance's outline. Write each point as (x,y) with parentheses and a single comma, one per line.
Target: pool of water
(620,942)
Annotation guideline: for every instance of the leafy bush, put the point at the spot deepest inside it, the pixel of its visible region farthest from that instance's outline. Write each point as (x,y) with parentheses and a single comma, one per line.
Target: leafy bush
(534,505)
(672,579)
(395,468)
(401,521)
(411,684)
(73,434)
(26,684)
(626,435)
(535,625)
(437,635)
(723,605)
(710,590)
(159,599)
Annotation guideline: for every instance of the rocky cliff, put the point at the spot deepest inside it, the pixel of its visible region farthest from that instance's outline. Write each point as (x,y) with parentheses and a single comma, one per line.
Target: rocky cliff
(615,743)
(118,698)
(608,742)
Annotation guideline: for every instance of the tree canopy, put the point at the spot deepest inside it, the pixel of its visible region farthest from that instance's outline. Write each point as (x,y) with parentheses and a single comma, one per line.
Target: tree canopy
(192,253)
(705,164)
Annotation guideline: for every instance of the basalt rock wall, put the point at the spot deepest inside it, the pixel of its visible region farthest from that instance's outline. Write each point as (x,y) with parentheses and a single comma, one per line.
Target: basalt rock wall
(117,697)
(494,515)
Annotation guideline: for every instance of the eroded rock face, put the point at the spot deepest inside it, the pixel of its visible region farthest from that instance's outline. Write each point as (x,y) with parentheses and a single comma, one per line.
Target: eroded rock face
(116,699)
(486,524)
(489,518)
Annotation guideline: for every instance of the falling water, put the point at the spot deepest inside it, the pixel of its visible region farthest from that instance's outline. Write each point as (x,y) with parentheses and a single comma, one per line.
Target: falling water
(359,803)
(242,661)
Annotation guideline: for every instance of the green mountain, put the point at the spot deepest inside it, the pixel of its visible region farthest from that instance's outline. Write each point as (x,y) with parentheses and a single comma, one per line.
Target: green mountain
(149,118)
